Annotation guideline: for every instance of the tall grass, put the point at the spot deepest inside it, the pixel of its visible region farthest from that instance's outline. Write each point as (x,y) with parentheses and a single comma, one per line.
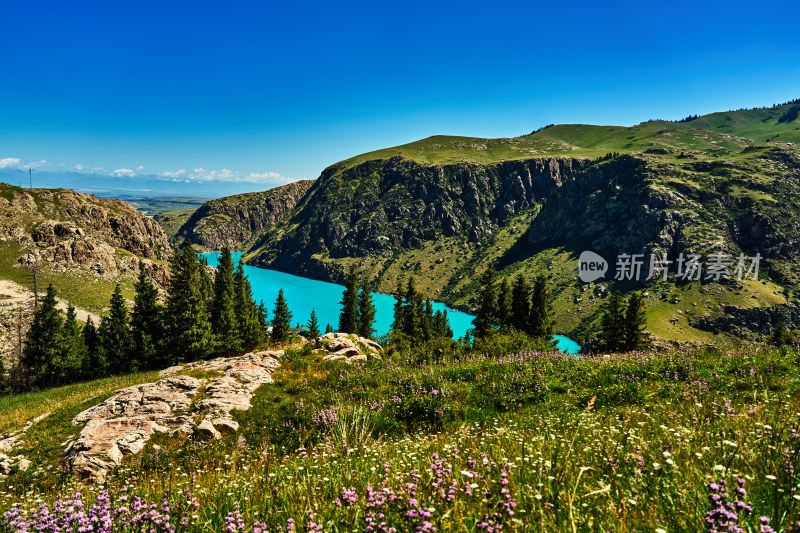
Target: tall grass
(526,442)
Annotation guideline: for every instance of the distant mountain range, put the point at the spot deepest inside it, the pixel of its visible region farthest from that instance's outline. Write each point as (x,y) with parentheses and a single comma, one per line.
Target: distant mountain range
(124,187)
(444,208)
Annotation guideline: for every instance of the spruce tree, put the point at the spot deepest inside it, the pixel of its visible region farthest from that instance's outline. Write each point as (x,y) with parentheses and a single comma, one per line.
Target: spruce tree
(263,323)
(412,310)
(94,365)
(504,304)
(313,325)
(520,303)
(366,310)
(541,321)
(781,336)
(43,350)
(612,332)
(426,323)
(224,318)
(487,305)
(635,320)
(397,323)
(281,320)
(247,312)
(445,329)
(348,317)
(188,318)
(441,325)
(147,325)
(328,329)
(116,341)
(75,353)
(206,285)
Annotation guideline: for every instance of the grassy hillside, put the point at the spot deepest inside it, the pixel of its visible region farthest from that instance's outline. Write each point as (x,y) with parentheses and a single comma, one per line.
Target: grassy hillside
(572,140)
(777,124)
(722,133)
(519,442)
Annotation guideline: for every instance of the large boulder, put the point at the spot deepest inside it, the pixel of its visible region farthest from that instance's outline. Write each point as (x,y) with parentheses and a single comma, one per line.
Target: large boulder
(347,348)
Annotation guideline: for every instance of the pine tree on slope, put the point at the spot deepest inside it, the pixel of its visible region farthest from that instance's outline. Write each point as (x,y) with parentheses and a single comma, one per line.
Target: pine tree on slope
(366,311)
(224,319)
(147,325)
(281,320)
(348,318)
(116,342)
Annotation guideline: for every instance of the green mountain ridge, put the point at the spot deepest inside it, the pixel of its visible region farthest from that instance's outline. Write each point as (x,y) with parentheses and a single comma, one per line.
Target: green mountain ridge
(444,208)
(235,221)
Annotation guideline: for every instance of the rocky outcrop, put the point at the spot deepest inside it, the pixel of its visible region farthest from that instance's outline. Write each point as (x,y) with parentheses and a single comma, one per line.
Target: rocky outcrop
(63,214)
(346,348)
(69,230)
(179,403)
(236,221)
(635,204)
(745,322)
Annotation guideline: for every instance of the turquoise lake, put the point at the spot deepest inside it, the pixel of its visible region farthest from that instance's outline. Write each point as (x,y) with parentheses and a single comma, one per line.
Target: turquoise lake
(303,295)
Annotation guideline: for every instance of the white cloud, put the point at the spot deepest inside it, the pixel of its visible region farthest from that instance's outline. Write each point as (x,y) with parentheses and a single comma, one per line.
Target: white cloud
(201,174)
(168,174)
(197,175)
(16,162)
(124,172)
(226,175)
(10,162)
(270,177)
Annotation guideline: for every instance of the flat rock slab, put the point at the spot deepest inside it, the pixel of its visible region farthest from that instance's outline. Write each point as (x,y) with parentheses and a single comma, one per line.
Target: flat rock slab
(124,423)
(9,441)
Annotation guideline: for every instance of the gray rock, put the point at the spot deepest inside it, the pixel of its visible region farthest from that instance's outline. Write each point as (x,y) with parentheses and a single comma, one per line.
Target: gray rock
(207,429)
(123,424)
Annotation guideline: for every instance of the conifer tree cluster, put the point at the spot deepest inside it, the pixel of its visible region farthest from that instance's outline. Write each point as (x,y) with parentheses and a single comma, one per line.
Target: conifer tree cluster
(622,324)
(414,317)
(358,309)
(200,318)
(781,336)
(521,306)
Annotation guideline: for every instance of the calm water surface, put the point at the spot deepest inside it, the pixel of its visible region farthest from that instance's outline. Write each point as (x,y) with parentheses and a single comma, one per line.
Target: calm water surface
(303,295)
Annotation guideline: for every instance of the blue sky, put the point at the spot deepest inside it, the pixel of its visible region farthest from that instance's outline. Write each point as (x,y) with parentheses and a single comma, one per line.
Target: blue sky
(254,94)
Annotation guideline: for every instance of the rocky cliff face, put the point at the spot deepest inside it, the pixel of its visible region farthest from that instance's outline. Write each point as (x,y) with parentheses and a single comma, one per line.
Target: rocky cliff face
(443,223)
(637,204)
(236,221)
(68,229)
(381,206)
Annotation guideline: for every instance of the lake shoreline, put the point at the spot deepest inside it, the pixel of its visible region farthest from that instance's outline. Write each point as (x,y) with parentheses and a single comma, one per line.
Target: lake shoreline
(306,294)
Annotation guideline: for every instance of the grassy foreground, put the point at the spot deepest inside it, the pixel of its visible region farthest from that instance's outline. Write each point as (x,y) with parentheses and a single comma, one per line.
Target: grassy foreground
(525,442)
